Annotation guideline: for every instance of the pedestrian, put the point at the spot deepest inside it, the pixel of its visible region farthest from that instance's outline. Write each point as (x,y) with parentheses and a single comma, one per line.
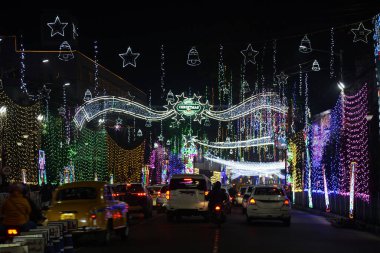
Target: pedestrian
(16,209)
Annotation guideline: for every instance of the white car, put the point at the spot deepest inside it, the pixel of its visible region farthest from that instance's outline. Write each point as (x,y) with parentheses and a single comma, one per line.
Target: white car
(187,196)
(269,202)
(246,196)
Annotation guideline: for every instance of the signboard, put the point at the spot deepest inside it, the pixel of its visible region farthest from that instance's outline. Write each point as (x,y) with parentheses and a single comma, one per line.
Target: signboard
(188,107)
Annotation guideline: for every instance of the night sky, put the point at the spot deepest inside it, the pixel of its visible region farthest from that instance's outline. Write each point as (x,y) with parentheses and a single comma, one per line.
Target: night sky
(178,28)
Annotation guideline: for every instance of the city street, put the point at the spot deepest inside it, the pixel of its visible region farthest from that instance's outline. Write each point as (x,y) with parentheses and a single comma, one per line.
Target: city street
(307,233)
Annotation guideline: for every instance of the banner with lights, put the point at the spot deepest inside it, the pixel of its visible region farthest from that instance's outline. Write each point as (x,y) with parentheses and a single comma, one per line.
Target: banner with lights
(179,109)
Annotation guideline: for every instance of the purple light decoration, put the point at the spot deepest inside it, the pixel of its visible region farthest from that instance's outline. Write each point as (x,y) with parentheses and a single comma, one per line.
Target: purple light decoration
(356,133)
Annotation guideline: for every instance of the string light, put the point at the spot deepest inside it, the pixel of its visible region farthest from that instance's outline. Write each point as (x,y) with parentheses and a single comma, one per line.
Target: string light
(332,45)
(162,71)
(23,86)
(96,72)
(263,141)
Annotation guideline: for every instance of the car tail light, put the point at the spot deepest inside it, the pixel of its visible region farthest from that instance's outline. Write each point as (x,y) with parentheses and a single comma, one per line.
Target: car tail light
(12,232)
(206,193)
(167,195)
(93,216)
(286,202)
(158,193)
(252,201)
(217,208)
(141,194)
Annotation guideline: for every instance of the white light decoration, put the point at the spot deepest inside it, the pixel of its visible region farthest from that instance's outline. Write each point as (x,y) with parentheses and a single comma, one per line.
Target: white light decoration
(183,107)
(361,33)
(352,190)
(168,142)
(193,57)
(282,78)
(139,133)
(170,97)
(57,27)
(3,110)
(315,66)
(305,46)
(75,32)
(249,168)
(263,141)
(65,52)
(249,55)
(148,123)
(161,137)
(129,58)
(40,117)
(87,95)
(61,111)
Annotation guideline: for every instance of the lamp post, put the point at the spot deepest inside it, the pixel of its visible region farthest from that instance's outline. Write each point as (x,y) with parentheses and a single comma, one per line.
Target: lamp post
(3,114)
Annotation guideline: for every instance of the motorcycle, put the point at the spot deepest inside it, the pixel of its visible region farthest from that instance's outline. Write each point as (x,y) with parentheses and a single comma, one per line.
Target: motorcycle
(218,215)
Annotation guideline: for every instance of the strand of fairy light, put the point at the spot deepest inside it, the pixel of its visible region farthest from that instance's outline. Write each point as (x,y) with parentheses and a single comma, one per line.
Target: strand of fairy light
(96,72)
(23,87)
(275,63)
(162,71)
(332,73)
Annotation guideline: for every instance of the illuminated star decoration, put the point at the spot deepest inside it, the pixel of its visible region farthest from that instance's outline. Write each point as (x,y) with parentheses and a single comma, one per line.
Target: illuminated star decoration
(282,78)
(160,137)
(129,58)
(249,54)
(57,27)
(119,121)
(361,33)
(44,93)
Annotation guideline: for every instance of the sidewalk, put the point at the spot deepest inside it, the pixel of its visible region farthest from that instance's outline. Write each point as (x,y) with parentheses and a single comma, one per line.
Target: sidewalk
(341,221)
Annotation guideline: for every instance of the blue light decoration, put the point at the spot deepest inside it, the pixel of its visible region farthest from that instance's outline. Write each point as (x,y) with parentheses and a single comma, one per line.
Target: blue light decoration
(176,165)
(376,39)
(41,167)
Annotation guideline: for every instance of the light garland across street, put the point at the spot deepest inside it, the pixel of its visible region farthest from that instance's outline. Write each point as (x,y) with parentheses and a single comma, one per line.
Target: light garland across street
(263,141)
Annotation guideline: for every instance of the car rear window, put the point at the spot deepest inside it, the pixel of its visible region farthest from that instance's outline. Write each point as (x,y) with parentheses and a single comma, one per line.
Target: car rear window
(133,188)
(242,190)
(76,193)
(188,183)
(269,191)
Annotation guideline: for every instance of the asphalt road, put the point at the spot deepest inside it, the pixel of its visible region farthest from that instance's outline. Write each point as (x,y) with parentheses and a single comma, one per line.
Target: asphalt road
(307,234)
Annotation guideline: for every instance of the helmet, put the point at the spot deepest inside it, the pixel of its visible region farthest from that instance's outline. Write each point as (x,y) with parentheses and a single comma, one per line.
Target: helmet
(217,185)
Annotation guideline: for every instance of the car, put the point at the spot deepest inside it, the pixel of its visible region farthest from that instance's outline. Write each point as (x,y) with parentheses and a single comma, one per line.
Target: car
(93,206)
(187,196)
(137,196)
(246,196)
(240,194)
(155,191)
(161,200)
(269,202)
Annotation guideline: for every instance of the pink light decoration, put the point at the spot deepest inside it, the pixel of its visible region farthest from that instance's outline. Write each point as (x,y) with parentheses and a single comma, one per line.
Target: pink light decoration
(356,135)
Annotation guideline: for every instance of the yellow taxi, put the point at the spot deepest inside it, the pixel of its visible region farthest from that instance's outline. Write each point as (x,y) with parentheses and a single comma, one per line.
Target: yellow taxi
(93,206)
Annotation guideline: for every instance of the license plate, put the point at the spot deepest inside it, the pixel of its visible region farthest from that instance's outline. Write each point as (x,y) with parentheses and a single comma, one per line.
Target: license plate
(67,216)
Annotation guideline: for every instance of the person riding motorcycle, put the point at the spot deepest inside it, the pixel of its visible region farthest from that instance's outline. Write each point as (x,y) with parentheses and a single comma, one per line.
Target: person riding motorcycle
(16,209)
(216,196)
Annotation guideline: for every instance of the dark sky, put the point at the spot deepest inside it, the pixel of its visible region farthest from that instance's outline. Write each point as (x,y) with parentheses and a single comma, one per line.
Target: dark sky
(146,28)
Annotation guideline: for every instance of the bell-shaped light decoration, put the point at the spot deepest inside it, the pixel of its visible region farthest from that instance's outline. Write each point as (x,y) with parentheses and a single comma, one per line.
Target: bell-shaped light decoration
(305,46)
(193,57)
(61,111)
(168,142)
(65,52)
(228,139)
(231,152)
(139,133)
(245,87)
(315,66)
(170,97)
(225,89)
(148,123)
(207,122)
(87,95)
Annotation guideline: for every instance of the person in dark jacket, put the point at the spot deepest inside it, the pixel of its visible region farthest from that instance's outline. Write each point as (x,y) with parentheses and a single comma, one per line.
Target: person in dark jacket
(216,196)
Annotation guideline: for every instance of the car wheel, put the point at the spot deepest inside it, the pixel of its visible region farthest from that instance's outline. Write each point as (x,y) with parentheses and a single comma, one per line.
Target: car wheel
(286,222)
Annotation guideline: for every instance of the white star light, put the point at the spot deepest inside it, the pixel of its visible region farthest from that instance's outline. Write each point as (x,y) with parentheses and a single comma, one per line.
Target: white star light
(57,27)
(361,33)
(129,58)
(249,54)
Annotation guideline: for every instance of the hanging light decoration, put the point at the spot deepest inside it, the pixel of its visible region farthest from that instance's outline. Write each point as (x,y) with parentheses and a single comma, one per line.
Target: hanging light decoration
(139,133)
(148,123)
(228,139)
(231,152)
(207,122)
(61,111)
(193,57)
(170,97)
(315,66)
(87,95)
(305,46)
(168,142)
(245,87)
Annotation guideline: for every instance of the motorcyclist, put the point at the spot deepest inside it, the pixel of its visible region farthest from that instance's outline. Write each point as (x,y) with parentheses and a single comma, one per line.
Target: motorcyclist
(16,209)
(216,196)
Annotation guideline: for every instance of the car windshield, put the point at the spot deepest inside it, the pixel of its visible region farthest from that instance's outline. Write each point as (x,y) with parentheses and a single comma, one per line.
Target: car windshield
(188,183)
(134,188)
(76,193)
(268,191)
